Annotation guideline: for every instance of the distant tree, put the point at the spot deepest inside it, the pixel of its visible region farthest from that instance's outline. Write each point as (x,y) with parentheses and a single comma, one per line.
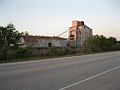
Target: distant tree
(116,46)
(99,43)
(9,37)
(26,33)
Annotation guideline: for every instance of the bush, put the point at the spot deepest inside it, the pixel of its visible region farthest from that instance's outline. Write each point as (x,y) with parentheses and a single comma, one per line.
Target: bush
(99,43)
(25,52)
(53,51)
(67,51)
(116,46)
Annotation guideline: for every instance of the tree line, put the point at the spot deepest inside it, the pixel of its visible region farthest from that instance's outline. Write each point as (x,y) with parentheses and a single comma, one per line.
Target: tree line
(98,43)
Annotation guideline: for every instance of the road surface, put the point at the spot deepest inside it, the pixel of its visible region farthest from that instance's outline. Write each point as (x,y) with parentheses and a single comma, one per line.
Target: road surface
(88,72)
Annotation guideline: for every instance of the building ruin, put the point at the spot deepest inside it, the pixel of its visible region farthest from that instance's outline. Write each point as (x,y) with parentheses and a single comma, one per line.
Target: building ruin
(78,33)
(44,41)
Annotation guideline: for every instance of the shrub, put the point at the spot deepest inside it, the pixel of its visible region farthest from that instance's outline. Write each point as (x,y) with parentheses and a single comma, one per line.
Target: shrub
(25,52)
(99,43)
(116,46)
(53,51)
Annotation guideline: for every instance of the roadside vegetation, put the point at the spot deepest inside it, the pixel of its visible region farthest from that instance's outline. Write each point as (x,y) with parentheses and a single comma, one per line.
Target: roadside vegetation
(11,50)
(99,43)
(9,40)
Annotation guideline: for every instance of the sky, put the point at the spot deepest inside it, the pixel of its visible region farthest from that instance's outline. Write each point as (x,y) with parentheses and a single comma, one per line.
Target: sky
(52,17)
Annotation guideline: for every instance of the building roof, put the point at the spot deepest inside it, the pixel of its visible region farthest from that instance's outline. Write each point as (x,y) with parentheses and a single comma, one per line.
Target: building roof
(35,38)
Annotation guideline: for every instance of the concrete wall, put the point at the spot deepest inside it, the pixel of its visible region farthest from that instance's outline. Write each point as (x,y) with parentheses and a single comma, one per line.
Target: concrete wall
(43,43)
(53,42)
(85,33)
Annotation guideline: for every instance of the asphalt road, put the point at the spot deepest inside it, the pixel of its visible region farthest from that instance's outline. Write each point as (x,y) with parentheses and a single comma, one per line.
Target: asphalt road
(88,72)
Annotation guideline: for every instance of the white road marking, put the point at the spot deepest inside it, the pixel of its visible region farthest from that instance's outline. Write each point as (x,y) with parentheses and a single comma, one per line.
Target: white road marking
(84,80)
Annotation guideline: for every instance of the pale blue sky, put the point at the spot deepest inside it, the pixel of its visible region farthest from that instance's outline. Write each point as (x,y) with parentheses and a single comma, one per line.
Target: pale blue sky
(52,17)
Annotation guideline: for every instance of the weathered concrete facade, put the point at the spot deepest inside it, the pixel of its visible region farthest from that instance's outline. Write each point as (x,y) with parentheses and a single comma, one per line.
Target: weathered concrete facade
(44,41)
(78,33)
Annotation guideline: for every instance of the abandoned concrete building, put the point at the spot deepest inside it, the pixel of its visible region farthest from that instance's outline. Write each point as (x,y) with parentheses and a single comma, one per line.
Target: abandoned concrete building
(44,41)
(78,33)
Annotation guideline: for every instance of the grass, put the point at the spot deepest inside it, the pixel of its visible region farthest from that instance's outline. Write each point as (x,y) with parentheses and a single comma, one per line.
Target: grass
(48,57)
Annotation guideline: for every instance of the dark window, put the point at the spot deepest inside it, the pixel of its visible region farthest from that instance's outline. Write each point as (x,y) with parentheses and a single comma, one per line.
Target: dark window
(49,44)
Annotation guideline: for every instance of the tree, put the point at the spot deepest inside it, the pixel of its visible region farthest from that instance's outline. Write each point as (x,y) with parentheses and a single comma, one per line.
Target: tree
(9,38)
(99,43)
(26,33)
